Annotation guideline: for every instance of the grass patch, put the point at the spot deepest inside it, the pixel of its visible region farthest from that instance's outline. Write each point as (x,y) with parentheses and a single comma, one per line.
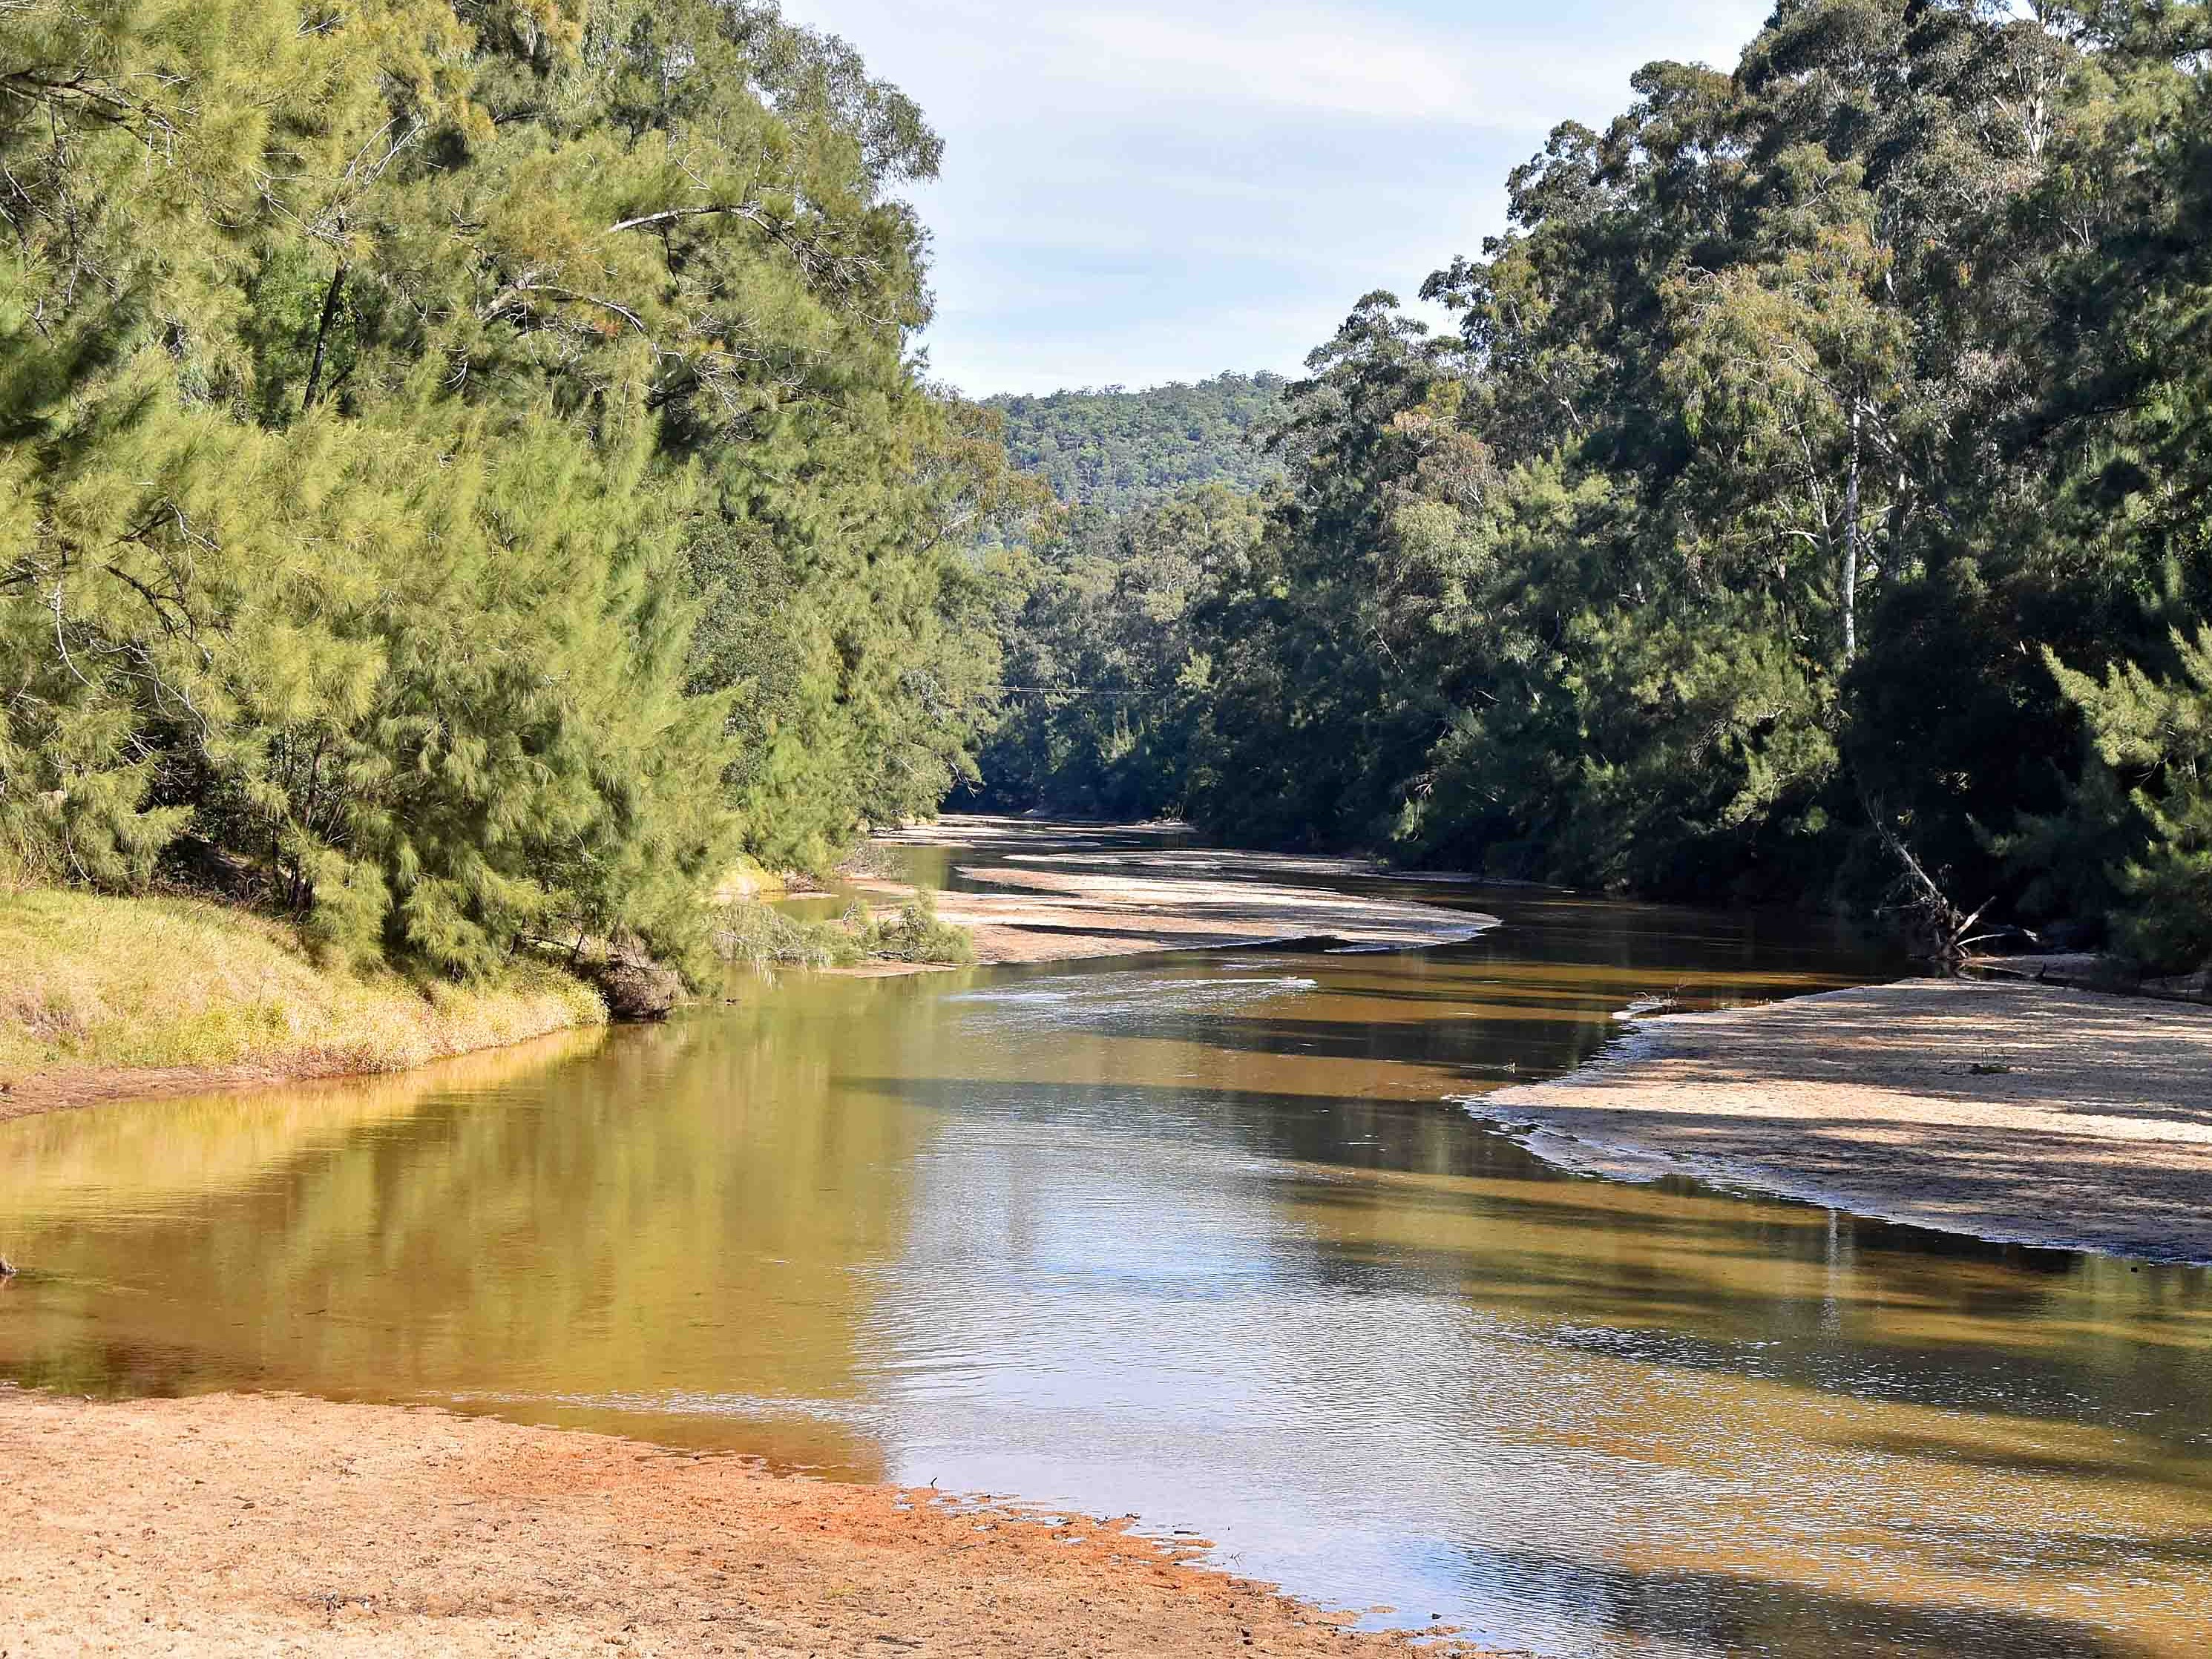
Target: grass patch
(88,981)
(761,937)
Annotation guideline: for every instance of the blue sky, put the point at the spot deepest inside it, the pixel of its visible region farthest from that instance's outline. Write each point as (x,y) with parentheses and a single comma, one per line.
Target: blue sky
(1137,192)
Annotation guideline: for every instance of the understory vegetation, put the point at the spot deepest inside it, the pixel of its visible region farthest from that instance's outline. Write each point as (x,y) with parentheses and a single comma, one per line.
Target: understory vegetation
(758,936)
(1814,504)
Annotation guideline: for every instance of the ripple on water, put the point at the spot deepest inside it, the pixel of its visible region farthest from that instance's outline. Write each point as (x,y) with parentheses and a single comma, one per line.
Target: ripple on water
(1196,1239)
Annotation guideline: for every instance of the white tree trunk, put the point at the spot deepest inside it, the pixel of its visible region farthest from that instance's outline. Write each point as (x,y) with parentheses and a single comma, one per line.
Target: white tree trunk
(1851,546)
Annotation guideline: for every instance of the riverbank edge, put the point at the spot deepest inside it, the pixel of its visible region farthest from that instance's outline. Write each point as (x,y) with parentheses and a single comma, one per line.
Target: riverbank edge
(223,1521)
(249,966)
(2008,1111)
(163,996)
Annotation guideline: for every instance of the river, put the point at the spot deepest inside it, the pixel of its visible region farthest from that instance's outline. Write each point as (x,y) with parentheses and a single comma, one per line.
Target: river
(1196,1237)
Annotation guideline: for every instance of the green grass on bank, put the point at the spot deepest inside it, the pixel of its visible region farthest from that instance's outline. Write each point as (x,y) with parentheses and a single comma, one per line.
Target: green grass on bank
(90,980)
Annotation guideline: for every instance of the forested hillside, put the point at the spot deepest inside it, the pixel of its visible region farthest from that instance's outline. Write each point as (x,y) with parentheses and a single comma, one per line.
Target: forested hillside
(1118,449)
(1812,504)
(462,475)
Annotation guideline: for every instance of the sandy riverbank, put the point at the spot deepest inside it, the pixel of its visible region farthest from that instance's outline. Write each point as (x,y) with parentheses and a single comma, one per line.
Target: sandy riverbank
(256,1525)
(113,998)
(2022,1113)
(1138,892)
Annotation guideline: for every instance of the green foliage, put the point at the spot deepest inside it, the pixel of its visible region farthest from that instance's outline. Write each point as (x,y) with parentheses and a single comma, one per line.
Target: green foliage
(461,472)
(854,631)
(915,935)
(463,480)
(1798,419)
(1105,669)
(2159,732)
(1316,715)
(1118,449)
(761,937)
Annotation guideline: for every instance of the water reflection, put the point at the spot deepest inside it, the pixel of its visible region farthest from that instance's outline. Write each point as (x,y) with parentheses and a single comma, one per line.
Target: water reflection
(1191,1237)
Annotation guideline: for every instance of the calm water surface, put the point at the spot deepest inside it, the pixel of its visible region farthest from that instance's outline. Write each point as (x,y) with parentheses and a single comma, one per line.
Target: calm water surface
(1193,1237)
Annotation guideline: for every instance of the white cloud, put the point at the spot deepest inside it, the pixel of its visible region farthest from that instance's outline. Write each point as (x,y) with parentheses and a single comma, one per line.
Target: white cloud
(1321,62)
(1407,60)
(1136,191)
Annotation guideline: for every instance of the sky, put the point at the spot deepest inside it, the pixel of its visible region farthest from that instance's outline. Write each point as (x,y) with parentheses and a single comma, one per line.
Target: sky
(1136,192)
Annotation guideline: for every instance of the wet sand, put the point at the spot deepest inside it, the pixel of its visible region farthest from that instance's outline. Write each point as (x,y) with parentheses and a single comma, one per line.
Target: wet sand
(273,1524)
(2021,1113)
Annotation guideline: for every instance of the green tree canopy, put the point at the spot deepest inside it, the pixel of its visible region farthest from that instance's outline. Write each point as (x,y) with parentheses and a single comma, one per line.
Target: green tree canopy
(1115,449)
(466,473)
(1819,469)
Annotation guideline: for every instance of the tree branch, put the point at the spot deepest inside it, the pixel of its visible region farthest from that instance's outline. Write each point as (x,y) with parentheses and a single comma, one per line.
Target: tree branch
(749,212)
(322,335)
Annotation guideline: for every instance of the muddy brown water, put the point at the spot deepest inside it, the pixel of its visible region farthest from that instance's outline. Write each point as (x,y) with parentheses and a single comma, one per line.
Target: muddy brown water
(1194,1237)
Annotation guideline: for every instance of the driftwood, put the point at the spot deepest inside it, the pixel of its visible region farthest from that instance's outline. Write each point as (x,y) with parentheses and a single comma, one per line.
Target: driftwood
(2092,971)
(1947,931)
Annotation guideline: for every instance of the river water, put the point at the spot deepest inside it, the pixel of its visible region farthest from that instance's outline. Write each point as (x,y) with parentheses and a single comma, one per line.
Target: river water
(1196,1238)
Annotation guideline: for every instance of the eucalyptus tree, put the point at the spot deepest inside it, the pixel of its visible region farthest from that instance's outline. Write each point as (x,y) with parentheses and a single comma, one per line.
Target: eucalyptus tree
(1717,550)
(1107,665)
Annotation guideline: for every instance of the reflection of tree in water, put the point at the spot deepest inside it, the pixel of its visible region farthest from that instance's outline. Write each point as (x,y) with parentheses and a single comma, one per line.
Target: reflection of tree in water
(162,1152)
(686,1211)
(1724,1612)
(1202,1221)
(1486,1351)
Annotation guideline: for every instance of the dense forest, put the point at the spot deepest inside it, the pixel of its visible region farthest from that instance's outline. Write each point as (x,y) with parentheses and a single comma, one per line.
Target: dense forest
(468,481)
(1119,450)
(1814,503)
(465,478)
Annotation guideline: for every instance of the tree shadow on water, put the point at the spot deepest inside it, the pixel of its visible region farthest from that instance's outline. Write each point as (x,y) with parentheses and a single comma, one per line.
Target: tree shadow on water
(2114,1461)
(1721,1611)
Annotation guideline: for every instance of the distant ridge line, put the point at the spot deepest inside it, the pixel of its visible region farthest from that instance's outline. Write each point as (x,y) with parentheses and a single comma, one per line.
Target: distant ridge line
(1116,449)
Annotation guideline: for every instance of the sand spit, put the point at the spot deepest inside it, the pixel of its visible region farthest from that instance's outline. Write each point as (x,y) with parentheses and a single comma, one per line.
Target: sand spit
(2020,1113)
(1053,915)
(272,1524)
(1135,891)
